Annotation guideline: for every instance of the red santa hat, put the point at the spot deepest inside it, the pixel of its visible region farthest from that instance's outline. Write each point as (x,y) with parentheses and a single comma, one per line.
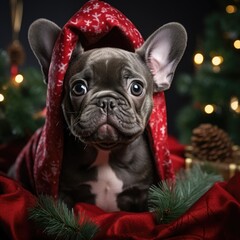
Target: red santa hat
(96,24)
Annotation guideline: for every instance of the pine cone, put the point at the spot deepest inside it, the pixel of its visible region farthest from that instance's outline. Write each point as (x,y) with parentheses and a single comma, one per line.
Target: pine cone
(211,143)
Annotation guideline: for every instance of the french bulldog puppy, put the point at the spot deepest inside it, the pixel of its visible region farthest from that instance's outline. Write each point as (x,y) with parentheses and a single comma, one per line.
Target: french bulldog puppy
(107,102)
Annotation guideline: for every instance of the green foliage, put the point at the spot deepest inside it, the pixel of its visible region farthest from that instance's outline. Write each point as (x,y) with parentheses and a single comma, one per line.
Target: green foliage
(170,200)
(214,85)
(22,102)
(56,220)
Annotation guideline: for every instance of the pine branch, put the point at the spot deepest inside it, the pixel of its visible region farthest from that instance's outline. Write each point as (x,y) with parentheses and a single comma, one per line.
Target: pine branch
(169,201)
(57,220)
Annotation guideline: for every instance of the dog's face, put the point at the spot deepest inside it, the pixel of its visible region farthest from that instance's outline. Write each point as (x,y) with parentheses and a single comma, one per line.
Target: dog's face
(108,96)
(108,91)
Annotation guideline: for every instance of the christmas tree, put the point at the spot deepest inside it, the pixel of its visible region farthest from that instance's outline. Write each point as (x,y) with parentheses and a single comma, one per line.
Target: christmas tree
(214,87)
(22,92)
(22,100)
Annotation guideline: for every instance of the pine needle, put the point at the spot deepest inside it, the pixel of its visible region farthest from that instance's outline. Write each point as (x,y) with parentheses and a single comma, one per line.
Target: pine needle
(169,200)
(58,221)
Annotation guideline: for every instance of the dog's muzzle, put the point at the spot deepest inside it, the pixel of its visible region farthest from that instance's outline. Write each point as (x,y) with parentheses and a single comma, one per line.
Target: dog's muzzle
(106,121)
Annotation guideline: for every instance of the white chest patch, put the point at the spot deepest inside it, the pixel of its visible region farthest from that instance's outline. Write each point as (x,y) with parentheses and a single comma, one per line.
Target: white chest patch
(108,184)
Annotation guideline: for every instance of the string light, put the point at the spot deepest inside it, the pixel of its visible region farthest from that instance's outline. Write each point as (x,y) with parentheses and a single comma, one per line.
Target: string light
(209,109)
(198,58)
(236,44)
(234,104)
(231,9)
(188,163)
(1,98)
(18,78)
(217,60)
(232,169)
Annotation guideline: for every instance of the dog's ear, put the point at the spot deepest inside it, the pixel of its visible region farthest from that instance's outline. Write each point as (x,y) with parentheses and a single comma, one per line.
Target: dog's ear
(162,52)
(42,35)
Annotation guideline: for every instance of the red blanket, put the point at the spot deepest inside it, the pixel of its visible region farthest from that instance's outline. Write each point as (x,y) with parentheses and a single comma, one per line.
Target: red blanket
(215,216)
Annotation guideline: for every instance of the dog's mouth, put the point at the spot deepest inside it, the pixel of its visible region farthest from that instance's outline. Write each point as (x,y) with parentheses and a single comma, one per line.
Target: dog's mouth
(107,136)
(106,145)
(106,130)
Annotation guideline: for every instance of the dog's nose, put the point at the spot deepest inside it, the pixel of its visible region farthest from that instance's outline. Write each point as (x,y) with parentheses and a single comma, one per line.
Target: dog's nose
(107,104)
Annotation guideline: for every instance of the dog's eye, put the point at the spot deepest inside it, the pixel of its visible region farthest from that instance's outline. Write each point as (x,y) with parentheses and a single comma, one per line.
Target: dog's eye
(136,88)
(79,88)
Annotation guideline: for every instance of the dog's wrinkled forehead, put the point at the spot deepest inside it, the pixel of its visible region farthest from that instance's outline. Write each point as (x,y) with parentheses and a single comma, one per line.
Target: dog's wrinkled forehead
(107,63)
(110,59)
(116,58)
(108,53)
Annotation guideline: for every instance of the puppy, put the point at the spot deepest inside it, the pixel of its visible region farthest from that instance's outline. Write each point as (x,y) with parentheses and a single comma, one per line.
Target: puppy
(108,99)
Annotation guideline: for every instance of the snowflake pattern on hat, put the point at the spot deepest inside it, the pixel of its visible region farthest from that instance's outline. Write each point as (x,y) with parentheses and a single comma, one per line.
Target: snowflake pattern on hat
(96,14)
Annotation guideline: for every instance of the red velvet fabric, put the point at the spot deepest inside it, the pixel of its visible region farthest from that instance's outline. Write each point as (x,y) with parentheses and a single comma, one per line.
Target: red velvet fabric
(8,153)
(215,216)
(177,152)
(14,204)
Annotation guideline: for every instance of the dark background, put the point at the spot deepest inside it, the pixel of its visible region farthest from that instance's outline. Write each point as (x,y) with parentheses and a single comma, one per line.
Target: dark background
(147,15)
